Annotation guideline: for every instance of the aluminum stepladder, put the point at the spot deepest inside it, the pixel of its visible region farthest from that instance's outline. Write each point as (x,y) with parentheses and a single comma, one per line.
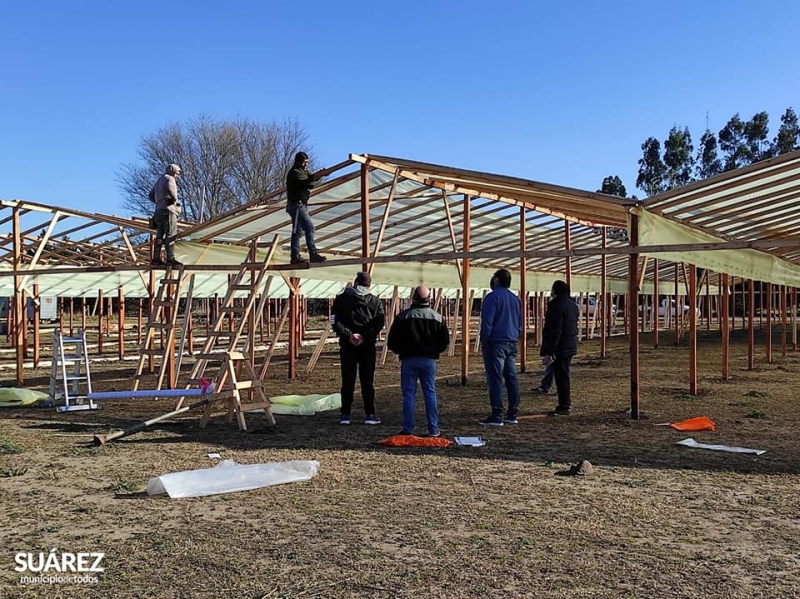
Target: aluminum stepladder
(69,370)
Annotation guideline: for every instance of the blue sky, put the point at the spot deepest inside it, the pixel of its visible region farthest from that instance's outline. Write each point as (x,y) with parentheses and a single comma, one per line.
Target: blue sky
(557,92)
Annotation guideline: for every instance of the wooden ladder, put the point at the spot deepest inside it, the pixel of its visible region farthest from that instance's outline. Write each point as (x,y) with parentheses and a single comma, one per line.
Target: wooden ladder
(234,364)
(165,304)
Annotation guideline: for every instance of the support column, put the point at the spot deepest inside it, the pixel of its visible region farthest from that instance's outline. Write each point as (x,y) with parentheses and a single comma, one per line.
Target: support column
(37,314)
(769,320)
(751,302)
(365,253)
(568,259)
(632,309)
(523,289)
(723,318)
(467,309)
(121,323)
(20,316)
(605,305)
(691,302)
(656,318)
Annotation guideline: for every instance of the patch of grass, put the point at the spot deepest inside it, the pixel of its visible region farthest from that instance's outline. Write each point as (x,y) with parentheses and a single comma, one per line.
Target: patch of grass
(752,393)
(757,414)
(8,446)
(9,472)
(122,485)
(687,397)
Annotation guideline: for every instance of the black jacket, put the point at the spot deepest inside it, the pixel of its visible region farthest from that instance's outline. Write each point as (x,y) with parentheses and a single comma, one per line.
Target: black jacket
(418,332)
(299,183)
(560,336)
(357,312)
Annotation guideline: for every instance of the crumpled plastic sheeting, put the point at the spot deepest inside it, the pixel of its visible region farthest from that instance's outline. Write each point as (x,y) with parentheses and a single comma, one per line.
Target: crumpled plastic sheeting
(230,477)
(692,443)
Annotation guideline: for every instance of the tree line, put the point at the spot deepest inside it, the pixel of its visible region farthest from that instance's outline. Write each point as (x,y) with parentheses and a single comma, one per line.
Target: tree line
(676,162)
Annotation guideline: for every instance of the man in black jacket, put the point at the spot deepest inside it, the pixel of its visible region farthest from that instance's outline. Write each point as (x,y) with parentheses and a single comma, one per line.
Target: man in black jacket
(299,183)
(358,318)
(560,342)
(418,335)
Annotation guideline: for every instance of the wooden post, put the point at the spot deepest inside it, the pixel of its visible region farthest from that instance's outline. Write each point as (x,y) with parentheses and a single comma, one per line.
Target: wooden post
(121,323)
(769,319)
(668,308)
(20,315)
(365,249)
(568,259)
(139,322)
(99,310)
(656,317)
(523,289)
(37,313)
(794,318)
(465,292)
(692,302)
(784,319)
(751,301)
(294,308)
(633,307)
(71,316)
(725,326)
(605,313)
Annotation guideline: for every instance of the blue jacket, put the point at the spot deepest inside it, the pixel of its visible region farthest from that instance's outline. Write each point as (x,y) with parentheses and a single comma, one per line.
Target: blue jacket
(501,316)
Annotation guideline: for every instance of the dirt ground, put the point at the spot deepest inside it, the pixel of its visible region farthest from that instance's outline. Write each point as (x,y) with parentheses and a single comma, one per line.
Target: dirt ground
(654,519)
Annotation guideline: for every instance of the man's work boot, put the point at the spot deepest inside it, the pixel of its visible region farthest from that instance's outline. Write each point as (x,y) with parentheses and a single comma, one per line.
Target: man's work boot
(318,258)
(298,259)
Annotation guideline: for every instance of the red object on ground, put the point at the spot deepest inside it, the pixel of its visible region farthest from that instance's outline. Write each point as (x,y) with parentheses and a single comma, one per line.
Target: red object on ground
(414,441)
(701,423)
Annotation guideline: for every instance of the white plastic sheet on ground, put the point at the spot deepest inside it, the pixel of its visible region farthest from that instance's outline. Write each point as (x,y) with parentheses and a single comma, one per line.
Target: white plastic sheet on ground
(230,477)
(305,405)
(692,443)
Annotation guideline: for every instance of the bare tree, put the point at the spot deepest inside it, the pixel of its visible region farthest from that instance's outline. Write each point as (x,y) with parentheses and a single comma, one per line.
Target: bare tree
(225,163)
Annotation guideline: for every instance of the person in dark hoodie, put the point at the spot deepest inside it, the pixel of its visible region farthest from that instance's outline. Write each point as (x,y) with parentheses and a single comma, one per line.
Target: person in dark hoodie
(418,335)
(358,318)
(560,342)
(164,195)
(299,183)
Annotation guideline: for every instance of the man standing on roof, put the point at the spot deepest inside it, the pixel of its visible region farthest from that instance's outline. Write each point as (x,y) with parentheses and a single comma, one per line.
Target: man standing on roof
(358,318)
(299,183)
(560,342)
(164,195)
(501,327)
(418,335)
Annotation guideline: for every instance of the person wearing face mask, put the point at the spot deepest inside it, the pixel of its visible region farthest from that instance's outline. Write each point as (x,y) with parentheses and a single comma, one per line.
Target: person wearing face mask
(560,342)
(501,327)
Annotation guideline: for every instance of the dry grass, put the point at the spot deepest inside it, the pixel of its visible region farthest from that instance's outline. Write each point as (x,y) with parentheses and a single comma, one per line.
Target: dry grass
(653,520)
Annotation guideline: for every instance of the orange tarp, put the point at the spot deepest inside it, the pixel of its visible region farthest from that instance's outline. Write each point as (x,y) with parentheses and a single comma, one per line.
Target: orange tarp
(414,441)
(701,423)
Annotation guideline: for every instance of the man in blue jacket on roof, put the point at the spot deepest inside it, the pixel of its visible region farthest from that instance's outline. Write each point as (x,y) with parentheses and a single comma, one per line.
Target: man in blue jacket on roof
(501,327)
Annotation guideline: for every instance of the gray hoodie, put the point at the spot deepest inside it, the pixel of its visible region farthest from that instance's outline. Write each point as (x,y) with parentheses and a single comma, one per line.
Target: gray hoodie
(165,191)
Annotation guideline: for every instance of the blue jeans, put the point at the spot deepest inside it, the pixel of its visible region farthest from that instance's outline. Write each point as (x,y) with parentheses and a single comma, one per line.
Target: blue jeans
(423,369)
(499,359)
(547,378)
(301,221)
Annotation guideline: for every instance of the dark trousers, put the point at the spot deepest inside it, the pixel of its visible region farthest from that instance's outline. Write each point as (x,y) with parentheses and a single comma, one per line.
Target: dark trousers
(358,360)
(562,376)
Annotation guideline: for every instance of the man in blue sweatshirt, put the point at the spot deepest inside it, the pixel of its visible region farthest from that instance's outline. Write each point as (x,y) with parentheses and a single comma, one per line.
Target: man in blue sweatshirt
(501,327)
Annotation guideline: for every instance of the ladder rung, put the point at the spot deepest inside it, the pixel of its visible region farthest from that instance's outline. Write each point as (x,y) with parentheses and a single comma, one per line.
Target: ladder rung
(72,339)
(70,357)
(77,377)
(251,384)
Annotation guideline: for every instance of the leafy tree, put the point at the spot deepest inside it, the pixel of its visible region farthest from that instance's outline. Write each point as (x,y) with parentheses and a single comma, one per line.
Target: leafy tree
(678,157)
(225,163)
(733,143)
(707,163)
(613,186)
(652,169)
(756,132)
(788,138)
